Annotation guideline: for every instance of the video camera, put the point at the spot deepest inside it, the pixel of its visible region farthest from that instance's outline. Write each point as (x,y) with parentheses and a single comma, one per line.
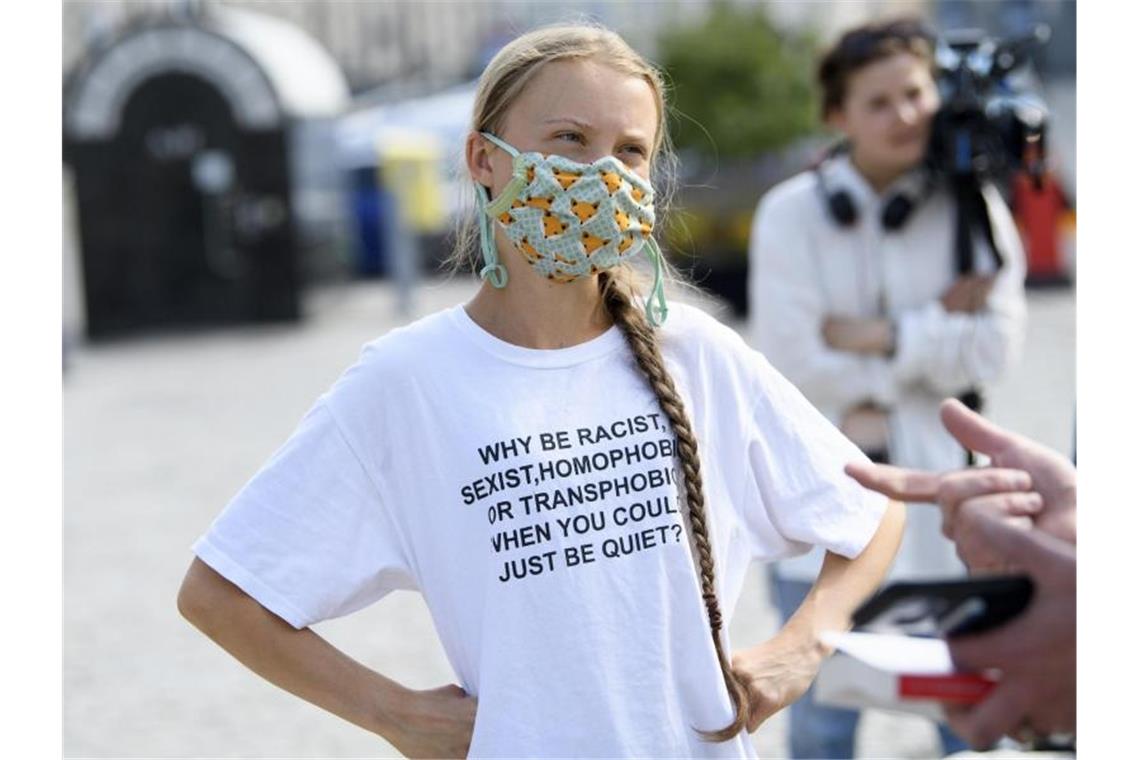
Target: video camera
(989,126)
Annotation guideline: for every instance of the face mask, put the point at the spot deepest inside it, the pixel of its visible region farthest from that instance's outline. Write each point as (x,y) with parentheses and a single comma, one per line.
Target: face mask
(571,220)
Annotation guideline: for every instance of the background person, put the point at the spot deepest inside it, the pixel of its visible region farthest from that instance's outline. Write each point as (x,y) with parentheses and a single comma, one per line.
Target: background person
(493,456)
(856,298)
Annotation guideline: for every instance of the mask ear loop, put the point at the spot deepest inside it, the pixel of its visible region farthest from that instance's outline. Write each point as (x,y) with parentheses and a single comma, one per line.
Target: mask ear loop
(656,310)
(517,184)
(492,271)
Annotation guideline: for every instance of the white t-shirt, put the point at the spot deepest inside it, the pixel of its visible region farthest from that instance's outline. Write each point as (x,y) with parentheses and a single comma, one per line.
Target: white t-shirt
(531,497)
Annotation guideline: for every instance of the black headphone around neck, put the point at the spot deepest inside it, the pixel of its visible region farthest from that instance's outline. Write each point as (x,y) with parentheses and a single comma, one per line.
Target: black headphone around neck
(841,206)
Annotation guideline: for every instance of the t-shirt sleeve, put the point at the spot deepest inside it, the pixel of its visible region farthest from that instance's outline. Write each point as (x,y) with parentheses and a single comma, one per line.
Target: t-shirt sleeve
(797,458)
(308,537)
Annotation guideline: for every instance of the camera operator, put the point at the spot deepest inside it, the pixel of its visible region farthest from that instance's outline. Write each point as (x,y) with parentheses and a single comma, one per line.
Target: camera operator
(858,295)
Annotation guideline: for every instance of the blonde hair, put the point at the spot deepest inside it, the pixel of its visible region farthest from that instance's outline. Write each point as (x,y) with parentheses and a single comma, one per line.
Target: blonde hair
(501,83)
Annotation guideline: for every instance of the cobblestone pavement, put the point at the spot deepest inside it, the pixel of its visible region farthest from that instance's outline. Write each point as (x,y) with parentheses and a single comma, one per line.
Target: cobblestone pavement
(160,432)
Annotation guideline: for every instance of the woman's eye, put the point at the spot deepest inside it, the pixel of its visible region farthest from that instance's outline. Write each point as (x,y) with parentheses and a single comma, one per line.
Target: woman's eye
(574,137)
(635,149)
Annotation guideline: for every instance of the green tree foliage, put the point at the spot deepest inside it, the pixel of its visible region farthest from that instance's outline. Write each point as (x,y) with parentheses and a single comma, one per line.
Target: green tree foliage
(739,80)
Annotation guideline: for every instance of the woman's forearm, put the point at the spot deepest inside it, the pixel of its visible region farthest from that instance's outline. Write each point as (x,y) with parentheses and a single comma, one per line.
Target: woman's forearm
(843,584)
(298,661)
(778,671)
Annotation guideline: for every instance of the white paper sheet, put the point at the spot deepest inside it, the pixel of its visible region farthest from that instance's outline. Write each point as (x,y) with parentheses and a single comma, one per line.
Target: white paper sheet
(910,655)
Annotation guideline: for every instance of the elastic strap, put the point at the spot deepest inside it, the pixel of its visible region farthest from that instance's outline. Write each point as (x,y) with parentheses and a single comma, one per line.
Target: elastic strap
(504,145)
(492,271)
(517,184)
(656,310)
(499,206)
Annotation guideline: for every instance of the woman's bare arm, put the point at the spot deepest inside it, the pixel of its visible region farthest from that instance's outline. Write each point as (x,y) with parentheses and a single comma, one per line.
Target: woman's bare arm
(433,723)
(778,671)
(843,584)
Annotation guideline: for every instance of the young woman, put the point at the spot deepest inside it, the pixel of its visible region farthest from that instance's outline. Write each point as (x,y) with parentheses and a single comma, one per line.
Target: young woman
(575,487)
(856,297)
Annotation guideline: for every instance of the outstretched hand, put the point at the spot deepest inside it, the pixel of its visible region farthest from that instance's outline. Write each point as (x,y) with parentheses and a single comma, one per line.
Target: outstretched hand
(1027,485)
(986,511)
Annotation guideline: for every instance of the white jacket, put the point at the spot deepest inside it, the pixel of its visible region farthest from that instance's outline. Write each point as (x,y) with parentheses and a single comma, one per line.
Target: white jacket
(804,267)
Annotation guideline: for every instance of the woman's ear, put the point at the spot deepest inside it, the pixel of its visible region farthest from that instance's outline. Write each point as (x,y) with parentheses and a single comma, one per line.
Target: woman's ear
(836,119)
(478,155)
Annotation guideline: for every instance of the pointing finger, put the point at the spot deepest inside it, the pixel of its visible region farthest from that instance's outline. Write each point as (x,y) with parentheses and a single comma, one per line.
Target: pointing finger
(898,483)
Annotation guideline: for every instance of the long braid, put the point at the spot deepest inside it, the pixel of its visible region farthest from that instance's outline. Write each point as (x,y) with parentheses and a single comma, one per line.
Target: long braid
(643,342)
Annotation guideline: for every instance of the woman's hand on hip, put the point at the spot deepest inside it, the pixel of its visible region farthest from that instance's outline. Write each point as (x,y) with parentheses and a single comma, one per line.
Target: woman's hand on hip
(777,672)
(435,723)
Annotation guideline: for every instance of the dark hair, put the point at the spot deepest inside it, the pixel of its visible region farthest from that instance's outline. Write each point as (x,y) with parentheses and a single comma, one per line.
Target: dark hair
(866,44)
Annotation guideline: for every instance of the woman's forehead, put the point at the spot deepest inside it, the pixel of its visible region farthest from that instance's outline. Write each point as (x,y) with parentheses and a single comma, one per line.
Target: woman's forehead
(587,93)
(897,69)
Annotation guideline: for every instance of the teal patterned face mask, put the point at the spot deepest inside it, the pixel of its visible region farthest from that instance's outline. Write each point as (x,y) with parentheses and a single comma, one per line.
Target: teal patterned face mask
(571,220)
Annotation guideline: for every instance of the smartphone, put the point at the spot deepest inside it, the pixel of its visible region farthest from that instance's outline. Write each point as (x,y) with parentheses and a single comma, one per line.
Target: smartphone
(945,608)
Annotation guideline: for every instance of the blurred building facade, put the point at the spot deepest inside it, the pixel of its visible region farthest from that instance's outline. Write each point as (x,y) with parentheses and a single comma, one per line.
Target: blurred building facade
(197,147)
(404,48)
(395,50)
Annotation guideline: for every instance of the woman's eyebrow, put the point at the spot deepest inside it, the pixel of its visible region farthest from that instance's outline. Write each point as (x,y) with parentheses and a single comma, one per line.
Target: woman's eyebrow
(636,135)
(569,120)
